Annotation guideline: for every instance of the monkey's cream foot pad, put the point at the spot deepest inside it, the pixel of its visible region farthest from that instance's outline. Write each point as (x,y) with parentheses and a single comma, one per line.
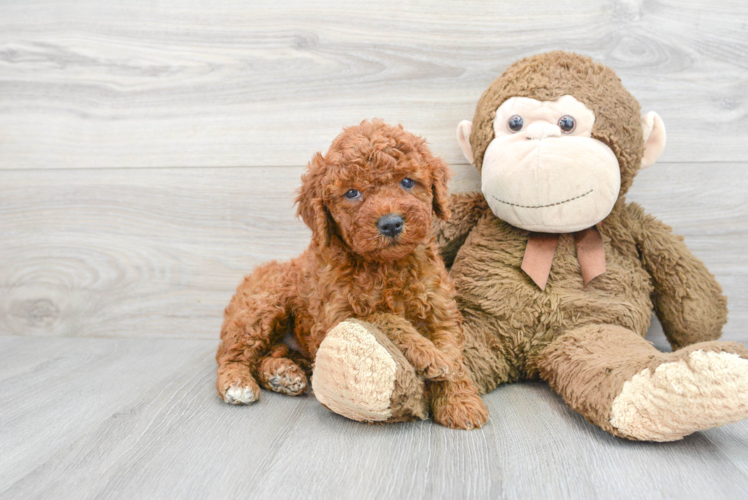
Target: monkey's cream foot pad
(708,389)
(360,374)
(354,375)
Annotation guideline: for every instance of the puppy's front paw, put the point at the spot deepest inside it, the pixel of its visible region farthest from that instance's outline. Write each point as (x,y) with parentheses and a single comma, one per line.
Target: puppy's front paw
(464,412)
(241,395)
(239,391)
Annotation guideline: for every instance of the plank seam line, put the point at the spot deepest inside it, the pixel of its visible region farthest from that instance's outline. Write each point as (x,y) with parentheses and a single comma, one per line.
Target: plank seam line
(62,169)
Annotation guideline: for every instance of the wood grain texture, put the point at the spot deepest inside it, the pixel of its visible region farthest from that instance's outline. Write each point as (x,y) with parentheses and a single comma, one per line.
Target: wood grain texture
(139,418)
(158,252)
(86,84)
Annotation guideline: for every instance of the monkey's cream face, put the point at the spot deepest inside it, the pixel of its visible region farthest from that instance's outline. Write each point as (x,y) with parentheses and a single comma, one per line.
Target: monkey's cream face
(544,172)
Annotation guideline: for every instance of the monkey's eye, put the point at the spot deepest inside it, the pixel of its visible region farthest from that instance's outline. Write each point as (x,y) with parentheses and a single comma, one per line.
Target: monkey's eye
(567,124)
(353,194)
(515,123)
(407,183)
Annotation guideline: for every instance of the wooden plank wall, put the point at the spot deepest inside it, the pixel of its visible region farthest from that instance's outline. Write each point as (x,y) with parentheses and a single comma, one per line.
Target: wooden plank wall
(149,150)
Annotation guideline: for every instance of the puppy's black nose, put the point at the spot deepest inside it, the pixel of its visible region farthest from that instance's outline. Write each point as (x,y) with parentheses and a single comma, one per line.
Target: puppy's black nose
(390,225)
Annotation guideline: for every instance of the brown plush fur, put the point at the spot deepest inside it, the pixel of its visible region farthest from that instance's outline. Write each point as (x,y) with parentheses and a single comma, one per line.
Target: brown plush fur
(351,271)
(585,340)
(645,263)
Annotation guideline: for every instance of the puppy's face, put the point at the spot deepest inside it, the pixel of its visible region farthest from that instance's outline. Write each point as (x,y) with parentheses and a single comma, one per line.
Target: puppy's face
(378,187)
(384,214)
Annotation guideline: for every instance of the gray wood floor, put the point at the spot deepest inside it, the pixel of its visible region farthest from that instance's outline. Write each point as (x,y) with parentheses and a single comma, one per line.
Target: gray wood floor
(138,418)
(149,152)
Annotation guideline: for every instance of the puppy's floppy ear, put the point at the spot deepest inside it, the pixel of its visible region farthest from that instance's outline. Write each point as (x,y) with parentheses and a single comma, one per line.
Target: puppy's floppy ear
(440,175)
(312,209)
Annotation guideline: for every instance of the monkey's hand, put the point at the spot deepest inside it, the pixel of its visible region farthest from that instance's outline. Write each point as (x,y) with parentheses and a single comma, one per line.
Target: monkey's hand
(467,209)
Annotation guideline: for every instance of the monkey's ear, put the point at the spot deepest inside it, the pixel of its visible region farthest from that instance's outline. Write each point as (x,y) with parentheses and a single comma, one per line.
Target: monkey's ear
(440,174)
(311,207)
(654,138)
(464,129)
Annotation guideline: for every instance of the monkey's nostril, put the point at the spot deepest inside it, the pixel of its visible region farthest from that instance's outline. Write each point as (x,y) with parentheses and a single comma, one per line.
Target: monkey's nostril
(390,225)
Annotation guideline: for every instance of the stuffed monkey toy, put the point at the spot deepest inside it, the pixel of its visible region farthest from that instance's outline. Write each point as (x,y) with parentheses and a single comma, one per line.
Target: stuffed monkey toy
(557,275)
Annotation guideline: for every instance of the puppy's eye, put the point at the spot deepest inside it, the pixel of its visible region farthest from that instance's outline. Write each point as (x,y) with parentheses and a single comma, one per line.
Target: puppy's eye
(407,183)
(353,194)
(515,123)
(567,124)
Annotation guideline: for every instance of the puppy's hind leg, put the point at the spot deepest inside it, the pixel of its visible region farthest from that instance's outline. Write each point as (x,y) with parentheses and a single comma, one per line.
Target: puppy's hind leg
(257,316)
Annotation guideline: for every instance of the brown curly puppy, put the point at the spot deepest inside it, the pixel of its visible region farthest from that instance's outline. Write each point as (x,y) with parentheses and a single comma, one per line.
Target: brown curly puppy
(369,202)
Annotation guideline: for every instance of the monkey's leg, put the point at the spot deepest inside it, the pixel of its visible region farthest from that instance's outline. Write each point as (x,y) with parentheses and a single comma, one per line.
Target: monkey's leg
(255,319)
(360,373)
(489,357)
(620,382)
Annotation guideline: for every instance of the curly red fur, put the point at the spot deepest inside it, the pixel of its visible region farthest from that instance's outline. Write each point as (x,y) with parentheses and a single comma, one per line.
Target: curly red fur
(351,270)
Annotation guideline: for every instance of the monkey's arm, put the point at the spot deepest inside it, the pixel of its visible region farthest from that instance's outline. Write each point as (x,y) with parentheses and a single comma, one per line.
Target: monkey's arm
(467,209)
(687,298)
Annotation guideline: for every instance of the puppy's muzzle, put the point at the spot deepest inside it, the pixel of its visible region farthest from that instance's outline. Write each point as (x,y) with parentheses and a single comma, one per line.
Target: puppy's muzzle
(390,225)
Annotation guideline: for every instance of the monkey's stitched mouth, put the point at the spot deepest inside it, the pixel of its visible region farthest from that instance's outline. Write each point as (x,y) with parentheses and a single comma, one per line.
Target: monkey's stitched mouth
(543,206)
